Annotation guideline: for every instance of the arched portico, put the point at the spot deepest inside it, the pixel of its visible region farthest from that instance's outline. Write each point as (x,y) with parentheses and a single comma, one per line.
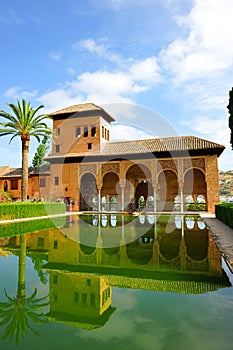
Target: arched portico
(167,189)
(195,190)
(88,192)
(111,191)
(138,185)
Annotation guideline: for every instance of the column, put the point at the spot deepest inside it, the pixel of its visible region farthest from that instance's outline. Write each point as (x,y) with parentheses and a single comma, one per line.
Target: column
(181,200)
(99,198)
(122,183)
(155,187)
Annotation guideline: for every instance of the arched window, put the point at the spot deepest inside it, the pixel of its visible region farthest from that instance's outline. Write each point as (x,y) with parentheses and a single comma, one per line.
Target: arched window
(141,202)
(104,203)
(78,132)
(85,131)
(150,202)
(5,186)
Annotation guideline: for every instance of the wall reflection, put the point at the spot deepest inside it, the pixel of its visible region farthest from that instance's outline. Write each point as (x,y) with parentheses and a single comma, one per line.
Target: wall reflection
(174,254)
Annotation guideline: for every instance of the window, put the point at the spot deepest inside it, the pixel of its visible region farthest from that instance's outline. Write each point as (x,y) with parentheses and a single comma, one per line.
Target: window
(58,131)
(88,282)
(93,131)
(5,186)
(40,242)
(56,180)
(89,145)
(84,298)
(85,133)
(102,131)
(14,184)
(55,244)
(55,279)
(42,182)
(78,132)
(57,148)
(108,135)
(93,299)
(76,297)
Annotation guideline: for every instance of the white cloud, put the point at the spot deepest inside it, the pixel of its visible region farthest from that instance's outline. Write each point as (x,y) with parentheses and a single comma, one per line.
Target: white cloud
(59,99)
(16,92)
(55,55)
(147,70)
(102,50)
(126,132)
(207,48)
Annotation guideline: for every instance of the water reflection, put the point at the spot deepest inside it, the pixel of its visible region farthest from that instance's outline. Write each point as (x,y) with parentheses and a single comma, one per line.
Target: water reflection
(19,313)
(163,254)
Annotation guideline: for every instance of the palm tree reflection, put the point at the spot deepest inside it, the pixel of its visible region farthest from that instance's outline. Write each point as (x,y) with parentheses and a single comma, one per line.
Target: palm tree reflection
(18,313)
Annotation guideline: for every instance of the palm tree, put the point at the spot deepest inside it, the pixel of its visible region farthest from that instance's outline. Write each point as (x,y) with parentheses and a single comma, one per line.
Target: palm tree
(25,123)
(18,313)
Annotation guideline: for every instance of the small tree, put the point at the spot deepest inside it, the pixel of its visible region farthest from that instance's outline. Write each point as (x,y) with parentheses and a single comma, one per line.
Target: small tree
(38,159)
(230,108)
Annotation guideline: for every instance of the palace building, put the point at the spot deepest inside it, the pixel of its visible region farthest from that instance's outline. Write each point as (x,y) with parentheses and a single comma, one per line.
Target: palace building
(95,174)
(158,174)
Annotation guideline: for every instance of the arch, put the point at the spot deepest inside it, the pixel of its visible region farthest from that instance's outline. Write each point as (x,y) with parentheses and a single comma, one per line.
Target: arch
(139,254)
(138,183)
(169,244)
(167,189)
(110,189)
(5,186)
(195,186)
(196,243)
(88,192)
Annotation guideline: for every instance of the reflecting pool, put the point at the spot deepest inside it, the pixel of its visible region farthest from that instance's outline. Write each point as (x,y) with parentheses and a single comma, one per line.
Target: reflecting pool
(113,281)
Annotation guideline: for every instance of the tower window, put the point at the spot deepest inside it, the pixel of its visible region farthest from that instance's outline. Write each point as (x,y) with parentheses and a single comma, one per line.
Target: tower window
(78,132)
(42,182)
(58,131)
(93,131)
(56,180)
(57,148)
(102,131)
(89,145)
(85,133)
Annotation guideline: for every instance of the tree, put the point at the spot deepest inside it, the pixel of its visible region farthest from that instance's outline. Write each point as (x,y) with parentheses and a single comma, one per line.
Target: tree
(230,108)
(25,123)
(38,159)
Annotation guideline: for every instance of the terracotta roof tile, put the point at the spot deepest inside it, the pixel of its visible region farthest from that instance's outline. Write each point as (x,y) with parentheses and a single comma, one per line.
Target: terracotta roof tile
(155,145)
(84,107)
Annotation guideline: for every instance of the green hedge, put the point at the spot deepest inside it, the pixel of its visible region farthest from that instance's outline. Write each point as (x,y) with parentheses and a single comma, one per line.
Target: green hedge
(21,227)
(224,212)
(29,210)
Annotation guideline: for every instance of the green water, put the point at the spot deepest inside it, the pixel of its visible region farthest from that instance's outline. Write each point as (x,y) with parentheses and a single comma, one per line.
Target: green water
(110,281)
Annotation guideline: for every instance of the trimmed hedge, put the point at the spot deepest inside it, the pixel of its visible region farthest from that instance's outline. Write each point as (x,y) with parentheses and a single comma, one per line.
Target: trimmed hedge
(224,212)
(21,227)
(28,210)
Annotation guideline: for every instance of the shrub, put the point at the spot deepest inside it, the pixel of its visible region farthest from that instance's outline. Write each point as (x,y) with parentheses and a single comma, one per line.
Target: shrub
(29,210)
(224,212)
(5,197)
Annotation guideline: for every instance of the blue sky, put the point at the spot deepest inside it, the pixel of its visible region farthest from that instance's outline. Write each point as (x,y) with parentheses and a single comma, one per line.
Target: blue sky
(148,62)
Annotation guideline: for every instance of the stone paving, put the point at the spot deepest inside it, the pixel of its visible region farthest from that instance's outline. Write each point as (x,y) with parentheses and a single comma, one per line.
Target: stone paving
(223,237)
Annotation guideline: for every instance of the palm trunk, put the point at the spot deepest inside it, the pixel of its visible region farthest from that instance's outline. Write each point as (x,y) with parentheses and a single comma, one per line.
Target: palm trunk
(25,147)
(21,268)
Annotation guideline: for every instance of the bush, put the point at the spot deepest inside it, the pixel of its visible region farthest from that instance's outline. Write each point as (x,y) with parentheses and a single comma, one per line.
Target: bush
(224,212)
(29,210)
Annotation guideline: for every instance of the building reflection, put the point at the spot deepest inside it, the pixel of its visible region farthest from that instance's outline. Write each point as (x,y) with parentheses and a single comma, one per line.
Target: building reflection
(90,254)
